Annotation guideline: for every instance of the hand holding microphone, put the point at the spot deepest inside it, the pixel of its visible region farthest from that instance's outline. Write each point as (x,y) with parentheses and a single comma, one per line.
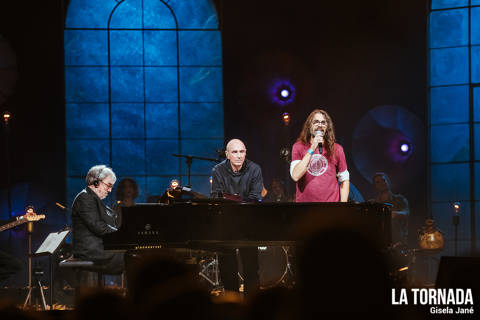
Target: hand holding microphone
(319,140)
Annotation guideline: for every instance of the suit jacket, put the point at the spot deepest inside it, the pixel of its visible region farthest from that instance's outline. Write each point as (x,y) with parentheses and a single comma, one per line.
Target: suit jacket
(91,219)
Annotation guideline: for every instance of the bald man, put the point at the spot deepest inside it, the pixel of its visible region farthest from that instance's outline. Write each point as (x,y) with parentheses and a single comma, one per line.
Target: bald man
(240,176)
(237,175)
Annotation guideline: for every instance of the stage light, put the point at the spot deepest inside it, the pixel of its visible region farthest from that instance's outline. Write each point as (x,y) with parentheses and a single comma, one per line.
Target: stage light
(282,92)
(456,206)
(174,184)
(210,179)
(285,93)
(404,147)
(6,117)
(286,118)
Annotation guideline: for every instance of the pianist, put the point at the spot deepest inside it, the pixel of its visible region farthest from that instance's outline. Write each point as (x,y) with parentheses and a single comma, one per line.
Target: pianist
(91,219)
(237,175)
(318,162)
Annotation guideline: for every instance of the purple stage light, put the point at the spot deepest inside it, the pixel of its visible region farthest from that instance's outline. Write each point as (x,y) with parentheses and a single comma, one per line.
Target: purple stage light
(400,148)
(378,139)
(282,92)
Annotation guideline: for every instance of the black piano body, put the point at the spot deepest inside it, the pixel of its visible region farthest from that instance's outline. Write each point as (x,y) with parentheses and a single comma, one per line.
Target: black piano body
(210,223)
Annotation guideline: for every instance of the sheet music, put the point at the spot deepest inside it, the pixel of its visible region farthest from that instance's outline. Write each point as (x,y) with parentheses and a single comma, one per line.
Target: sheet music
(52,242)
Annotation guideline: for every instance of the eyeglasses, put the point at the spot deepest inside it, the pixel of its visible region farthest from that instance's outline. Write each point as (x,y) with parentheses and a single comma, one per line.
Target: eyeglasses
(108,185)
(323,122)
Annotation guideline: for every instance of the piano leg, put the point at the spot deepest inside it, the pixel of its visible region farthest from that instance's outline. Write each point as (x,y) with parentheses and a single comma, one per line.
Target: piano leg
(229,269)
(249,257)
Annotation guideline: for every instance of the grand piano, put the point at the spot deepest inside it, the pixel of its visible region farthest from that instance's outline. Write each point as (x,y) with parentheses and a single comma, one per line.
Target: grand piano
(211,223)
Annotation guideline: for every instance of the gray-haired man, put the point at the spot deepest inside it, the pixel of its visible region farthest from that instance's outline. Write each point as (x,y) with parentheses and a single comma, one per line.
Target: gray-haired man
(91,219)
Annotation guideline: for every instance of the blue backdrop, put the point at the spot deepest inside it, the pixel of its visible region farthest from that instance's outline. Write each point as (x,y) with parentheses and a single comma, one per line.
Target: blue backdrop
(143,80)
(454,78)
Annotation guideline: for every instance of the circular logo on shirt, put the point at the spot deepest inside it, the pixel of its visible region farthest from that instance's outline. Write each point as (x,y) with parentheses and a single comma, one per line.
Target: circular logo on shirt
(318,165)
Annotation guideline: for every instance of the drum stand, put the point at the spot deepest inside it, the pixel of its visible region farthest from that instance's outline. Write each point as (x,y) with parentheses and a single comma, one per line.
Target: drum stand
(291,274)
(213,267)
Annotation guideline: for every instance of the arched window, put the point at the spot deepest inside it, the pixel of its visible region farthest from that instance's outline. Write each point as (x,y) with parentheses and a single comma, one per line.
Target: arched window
(454,115)
(143,81)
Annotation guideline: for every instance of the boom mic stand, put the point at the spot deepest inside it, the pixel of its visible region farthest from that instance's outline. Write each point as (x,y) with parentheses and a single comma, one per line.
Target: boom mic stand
(189,162)
(212,265)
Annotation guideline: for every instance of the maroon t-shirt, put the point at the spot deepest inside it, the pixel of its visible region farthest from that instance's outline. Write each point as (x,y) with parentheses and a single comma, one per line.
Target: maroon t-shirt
(319,184)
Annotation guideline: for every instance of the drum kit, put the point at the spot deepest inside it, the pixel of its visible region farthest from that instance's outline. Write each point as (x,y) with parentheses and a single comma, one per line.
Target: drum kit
(275,268)
(275,262)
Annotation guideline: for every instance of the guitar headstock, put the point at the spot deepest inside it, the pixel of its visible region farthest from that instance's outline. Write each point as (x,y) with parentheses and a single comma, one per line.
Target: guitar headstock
(35,217)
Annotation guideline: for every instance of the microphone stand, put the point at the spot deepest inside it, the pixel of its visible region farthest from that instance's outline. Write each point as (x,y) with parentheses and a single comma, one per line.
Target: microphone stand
(456,220)
(214,263)
(6,131)
(189,161)
(285,155)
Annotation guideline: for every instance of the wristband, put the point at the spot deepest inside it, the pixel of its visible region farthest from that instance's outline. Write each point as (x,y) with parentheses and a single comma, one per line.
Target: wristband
(310,151)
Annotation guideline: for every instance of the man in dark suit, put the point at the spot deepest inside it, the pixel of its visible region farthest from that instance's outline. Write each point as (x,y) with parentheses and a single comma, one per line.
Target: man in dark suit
(91,219)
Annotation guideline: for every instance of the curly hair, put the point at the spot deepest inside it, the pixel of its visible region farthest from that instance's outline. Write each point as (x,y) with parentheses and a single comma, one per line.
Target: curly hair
(329,137)
(120,192)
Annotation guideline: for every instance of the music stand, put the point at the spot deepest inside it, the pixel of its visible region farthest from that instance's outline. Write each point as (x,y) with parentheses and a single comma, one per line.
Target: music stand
(48,248)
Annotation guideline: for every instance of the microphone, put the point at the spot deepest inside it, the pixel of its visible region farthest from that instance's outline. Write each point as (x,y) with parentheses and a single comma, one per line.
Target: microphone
(320,132)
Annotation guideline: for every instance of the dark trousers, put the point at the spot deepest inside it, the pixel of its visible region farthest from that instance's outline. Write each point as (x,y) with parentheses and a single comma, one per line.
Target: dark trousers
(229,269)
(115,265)
(9,265)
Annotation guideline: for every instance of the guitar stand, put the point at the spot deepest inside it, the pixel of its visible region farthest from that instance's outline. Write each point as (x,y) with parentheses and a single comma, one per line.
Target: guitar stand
(29,275)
